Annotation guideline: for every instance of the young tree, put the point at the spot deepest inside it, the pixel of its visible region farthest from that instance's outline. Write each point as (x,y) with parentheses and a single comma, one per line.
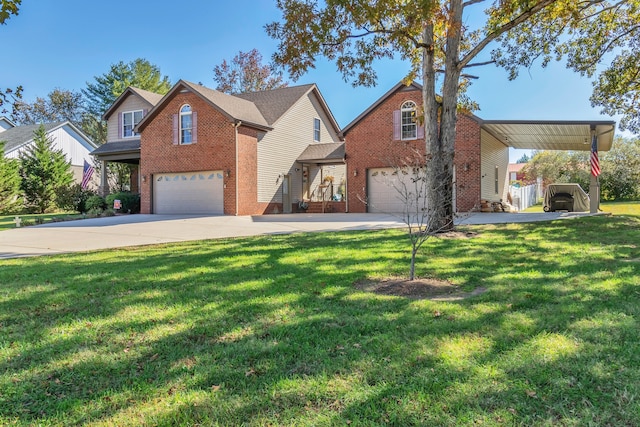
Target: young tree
(408,178)
(437,40)
(10,201)
(60,105)
(45,172)
(246,73)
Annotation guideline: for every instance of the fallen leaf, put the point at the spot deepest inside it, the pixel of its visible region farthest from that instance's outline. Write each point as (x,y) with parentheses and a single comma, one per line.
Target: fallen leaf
(531,393)
(437,314)
(250,372)
(215,387)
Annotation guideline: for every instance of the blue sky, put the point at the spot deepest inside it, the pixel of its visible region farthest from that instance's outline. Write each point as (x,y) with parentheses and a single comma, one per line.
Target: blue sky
(66,43)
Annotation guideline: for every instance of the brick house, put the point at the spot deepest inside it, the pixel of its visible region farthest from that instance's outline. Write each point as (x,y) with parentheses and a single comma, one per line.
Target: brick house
(201,151)
(388,131)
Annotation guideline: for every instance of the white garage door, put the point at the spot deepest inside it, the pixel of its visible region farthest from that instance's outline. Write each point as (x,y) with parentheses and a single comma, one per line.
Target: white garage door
(188,193)
(383,194)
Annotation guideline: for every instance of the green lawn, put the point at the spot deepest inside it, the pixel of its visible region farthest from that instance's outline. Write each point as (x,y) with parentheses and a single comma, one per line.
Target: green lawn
(272,331)
(618,208)
(8,221)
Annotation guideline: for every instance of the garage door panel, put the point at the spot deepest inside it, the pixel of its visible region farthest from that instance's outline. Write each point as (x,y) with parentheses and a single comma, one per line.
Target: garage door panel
(382,190)
(189,193)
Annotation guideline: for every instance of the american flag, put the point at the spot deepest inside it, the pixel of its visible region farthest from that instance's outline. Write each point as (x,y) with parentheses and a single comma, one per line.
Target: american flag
(87,173)
(595,162)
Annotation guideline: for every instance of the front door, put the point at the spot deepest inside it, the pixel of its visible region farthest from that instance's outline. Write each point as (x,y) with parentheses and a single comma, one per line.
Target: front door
(286,194)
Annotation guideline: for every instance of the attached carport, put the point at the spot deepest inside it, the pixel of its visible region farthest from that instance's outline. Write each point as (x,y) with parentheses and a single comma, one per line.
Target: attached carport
(594,136)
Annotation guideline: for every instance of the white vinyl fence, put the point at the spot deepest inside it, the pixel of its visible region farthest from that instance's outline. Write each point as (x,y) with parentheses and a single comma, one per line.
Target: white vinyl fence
(526,196)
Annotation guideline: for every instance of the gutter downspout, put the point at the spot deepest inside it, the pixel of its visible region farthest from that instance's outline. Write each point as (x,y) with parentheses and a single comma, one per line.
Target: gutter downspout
(236,125)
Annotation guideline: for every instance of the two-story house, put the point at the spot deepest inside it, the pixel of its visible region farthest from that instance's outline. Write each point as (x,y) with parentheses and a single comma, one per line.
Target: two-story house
(201,151)
(123,143)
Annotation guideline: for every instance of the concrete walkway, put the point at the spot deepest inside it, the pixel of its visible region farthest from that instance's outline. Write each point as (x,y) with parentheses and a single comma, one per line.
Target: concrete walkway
(133,230)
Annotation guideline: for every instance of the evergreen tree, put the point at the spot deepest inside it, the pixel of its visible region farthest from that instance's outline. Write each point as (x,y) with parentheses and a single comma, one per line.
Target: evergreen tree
(10,201)
(45,172)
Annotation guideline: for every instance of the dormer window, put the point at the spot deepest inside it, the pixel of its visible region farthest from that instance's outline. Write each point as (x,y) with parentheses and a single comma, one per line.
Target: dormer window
(186,125)
(408,117)
(129,121)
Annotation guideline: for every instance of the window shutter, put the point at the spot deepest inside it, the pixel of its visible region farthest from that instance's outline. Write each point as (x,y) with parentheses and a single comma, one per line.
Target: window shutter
(176,130)
(194,127)
(420,131)
(397,130)
(144,112)
(119,125)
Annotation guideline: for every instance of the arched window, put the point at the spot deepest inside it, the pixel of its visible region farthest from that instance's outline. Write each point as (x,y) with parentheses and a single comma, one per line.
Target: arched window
(409,126)
(186,125)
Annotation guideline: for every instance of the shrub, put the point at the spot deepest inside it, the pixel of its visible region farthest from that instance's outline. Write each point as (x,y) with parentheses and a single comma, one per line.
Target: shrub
(130,202)
(73,198)
(94,203)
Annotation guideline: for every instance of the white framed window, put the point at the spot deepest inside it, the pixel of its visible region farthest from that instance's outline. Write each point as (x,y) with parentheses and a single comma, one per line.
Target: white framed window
(408,117)
(186,124)
(129,121)
(316,130)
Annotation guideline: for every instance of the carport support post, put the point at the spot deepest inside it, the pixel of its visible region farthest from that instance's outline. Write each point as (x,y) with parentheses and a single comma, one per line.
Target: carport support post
(594,185)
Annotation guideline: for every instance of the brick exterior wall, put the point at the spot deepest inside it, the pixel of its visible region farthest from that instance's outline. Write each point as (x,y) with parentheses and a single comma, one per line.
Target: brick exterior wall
(370,144)
(214,150)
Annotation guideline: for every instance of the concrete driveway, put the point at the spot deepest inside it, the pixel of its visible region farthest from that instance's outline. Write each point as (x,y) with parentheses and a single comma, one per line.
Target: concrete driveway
(133,230)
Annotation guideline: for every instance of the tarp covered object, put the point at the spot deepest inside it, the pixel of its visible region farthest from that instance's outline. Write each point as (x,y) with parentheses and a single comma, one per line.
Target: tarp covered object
(580,198)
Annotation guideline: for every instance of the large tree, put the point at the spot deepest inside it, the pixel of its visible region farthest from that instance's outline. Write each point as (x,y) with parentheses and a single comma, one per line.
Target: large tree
(59,105)
(107,87)
(620,179)
(10,99)
(246,73)
(8,8)
(440,42)
(45,173)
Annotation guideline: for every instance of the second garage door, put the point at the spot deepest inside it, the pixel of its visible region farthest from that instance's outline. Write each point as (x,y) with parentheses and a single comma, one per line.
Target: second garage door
(382,191)
(188,193)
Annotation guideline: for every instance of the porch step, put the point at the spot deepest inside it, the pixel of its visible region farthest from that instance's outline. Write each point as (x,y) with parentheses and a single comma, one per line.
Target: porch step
(330,207)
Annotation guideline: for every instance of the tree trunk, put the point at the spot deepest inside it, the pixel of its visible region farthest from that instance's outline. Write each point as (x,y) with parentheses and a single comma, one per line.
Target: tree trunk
(440,133)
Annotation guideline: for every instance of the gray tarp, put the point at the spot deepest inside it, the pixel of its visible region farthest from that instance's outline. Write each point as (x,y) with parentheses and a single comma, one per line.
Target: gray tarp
(580,198)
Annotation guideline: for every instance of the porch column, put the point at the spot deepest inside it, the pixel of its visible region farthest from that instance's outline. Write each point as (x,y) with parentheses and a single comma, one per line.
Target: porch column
(104,183)
(594,185)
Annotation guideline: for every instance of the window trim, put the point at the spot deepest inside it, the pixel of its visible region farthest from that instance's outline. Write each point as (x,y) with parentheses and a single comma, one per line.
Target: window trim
(405,128)
(133,123)
(316,130)
(181,115)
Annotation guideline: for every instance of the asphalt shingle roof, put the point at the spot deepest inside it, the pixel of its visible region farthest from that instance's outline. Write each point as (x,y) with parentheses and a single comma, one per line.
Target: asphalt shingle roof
(274,103)
(322,153)
(20,135)
(117,147)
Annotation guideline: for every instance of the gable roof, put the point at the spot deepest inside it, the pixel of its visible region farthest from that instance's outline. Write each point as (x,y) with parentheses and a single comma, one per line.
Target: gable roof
(151,98)
(234,108)
(274,103)
(20,135)
(398,87)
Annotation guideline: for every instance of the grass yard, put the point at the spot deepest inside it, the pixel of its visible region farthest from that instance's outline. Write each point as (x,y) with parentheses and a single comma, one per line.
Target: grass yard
(272,331)
(8,221)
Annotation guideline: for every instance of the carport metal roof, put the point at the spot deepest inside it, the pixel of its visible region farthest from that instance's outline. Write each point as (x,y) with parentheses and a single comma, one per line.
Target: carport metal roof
(550,134)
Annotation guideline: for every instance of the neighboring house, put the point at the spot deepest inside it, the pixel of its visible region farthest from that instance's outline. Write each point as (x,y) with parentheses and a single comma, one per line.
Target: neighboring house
(123,143)
(66,137)
(202,151)
(388,131)
(515,172)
